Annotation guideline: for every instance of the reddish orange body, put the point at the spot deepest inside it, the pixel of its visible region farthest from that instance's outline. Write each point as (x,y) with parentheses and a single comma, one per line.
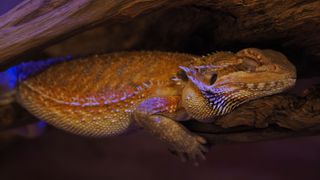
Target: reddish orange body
(107,94)
(100,92)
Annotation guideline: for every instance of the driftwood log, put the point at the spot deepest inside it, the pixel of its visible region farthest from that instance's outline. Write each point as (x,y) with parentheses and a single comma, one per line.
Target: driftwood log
(191,26)
(35,24)
(277,116)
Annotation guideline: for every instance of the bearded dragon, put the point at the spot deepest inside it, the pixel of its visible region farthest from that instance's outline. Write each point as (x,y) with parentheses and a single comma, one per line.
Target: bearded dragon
(109,94)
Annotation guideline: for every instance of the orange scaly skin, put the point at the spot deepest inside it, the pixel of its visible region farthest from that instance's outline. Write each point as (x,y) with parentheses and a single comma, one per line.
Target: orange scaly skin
(97,95)
(106,95)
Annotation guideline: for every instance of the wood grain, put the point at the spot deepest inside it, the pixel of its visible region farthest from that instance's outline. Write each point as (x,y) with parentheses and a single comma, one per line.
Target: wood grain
(271,117)
(35,23)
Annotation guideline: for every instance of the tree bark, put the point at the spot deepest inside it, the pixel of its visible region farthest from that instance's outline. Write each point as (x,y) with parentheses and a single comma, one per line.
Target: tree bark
(271,117)
(36,24)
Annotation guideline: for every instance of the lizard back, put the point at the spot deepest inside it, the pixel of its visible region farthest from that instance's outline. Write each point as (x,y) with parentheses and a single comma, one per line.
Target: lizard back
(98,91)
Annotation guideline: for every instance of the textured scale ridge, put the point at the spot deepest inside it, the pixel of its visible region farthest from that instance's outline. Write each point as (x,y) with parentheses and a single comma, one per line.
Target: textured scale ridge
(110,94)
(104,75)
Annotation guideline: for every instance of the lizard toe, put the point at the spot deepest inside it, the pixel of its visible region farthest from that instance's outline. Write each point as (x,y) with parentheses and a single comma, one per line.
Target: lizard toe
(194,152)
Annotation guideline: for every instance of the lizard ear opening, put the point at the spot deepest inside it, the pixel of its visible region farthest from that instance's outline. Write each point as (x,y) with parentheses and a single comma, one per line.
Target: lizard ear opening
(192,76)
(182,75)
(190,73)
(213,79)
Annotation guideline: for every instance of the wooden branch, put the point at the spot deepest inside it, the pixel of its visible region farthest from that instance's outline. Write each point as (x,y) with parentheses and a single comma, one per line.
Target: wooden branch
(13,115)
(35,23)
(292,24)
(271,117)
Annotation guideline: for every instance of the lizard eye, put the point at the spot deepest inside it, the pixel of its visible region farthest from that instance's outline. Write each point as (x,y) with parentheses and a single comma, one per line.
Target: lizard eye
(213,79)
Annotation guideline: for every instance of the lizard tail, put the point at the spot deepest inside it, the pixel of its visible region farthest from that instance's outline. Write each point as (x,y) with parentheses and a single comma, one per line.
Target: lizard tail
(10,78)
(8,84)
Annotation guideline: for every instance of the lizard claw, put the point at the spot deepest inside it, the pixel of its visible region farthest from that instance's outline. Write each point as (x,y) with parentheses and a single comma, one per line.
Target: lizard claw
(193,152)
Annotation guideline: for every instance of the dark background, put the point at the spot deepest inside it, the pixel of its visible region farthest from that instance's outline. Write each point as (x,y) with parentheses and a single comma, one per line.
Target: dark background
(59,155)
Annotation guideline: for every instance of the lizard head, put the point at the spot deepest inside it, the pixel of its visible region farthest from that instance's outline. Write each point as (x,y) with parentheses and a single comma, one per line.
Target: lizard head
(220,82)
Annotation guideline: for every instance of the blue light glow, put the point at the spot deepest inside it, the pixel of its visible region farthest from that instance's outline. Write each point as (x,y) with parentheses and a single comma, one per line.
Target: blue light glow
(10,77)
(33,67)
(41,125)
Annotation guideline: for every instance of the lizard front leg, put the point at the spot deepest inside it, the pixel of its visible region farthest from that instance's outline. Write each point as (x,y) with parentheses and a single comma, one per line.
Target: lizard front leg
(156,115)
